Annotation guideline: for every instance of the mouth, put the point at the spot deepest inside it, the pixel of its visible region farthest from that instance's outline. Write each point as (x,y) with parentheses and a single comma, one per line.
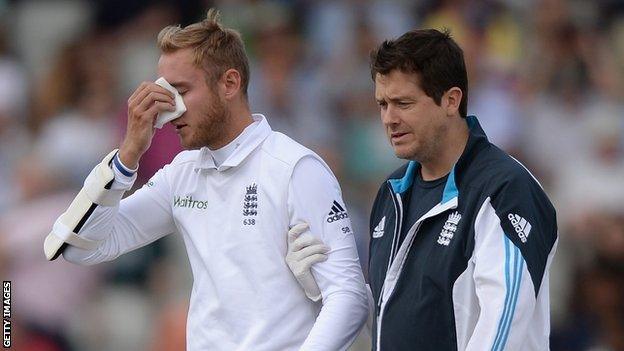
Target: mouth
(178,127)
(397,136)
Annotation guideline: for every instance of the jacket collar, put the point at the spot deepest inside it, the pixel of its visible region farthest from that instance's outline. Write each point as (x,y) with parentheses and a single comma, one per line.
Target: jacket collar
(248,144)
(476,141)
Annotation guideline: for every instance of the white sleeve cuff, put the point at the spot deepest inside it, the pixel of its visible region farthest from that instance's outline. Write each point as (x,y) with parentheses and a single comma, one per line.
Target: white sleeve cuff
(124,176)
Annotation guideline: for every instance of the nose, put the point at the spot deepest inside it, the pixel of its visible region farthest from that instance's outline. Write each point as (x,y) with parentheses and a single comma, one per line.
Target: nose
(389,115)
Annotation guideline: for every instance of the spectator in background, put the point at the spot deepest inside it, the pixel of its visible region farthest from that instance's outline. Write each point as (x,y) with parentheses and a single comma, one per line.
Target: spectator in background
(14,139)
(76,107)
(286,86)
(596,306)
(47,297)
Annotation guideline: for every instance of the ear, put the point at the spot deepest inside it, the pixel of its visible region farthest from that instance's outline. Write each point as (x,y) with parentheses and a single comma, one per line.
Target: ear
(453,99)
(231,81)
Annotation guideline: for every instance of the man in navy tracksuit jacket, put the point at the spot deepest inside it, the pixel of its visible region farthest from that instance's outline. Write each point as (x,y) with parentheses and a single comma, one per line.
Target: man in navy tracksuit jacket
(472,272)
(463,235)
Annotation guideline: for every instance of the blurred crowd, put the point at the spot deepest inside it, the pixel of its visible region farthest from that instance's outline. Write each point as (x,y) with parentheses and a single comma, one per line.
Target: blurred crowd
(546,81)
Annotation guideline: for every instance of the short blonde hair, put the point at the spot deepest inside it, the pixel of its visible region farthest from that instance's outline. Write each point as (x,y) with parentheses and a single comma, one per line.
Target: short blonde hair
(215,48)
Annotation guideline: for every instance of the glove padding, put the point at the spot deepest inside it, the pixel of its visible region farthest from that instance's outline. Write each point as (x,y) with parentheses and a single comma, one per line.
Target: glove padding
(94,192)
(304,250)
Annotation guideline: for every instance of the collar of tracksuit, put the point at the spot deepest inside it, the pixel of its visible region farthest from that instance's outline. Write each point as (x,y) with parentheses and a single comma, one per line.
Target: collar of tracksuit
(476,141)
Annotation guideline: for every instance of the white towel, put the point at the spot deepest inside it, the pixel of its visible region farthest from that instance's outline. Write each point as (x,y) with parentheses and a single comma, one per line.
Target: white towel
(180,108)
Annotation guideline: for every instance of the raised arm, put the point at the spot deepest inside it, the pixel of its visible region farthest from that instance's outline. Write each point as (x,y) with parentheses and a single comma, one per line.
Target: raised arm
(96,227)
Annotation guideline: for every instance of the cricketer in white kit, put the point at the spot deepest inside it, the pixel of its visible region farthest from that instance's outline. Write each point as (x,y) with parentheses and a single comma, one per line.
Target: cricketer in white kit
(232,205)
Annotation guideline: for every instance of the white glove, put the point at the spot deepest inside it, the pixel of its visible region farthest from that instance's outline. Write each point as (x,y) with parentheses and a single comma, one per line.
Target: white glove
(304,251)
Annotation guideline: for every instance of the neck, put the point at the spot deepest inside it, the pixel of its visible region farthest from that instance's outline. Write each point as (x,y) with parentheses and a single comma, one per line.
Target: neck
(239,118)
(452,148)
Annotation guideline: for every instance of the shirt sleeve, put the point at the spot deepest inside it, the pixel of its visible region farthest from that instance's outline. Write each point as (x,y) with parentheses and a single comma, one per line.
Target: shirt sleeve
(315,197)
(515,241)
(138,220)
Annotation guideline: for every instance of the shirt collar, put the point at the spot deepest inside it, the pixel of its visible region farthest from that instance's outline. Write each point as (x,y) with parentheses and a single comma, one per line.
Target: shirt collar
(476,140)
(239,148)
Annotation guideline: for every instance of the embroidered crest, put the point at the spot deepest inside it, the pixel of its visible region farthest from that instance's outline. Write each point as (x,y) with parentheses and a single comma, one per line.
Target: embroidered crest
(450,226)
(250,204)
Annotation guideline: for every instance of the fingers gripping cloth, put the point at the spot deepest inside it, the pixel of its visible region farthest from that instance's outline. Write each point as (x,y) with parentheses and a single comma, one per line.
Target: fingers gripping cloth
(93,193)
(304,250)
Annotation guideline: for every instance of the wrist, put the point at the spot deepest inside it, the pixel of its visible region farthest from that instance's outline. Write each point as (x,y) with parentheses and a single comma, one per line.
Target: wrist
(129,156)
(123,169)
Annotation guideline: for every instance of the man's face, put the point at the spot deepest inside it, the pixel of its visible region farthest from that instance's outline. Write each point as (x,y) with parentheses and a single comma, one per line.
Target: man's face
(206,116)
(414,123)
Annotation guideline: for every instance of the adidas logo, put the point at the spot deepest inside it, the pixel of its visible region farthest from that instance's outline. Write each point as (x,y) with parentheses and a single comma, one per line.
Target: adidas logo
(337,213)
(378,232)
(522,227)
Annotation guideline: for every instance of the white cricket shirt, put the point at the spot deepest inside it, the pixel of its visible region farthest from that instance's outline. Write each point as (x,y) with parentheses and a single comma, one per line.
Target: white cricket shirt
(234,220)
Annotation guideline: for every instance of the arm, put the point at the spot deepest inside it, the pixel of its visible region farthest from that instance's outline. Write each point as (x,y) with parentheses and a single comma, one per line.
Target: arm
(314,194)
(95,227)
(515,239)
(138,220)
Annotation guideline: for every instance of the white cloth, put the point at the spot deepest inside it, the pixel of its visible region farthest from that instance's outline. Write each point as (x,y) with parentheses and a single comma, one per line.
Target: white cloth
(168,116)
(234,220)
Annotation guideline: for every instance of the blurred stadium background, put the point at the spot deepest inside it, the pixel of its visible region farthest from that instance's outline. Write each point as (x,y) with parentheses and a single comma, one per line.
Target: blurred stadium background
(546,81)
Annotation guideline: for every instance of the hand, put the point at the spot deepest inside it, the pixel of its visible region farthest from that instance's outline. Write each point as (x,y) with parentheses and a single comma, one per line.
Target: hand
(146,102)
(304,251)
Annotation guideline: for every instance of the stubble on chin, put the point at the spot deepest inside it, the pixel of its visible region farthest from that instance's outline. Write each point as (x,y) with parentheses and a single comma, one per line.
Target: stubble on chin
(414,153)
(212,126)
(426,150)
(189,145)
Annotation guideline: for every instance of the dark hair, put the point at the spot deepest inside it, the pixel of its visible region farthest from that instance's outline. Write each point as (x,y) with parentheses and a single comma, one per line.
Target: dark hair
(432,55)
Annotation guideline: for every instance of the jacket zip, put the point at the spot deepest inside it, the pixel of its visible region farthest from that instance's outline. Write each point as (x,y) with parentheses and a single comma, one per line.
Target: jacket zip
(397,229)
(436,210)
